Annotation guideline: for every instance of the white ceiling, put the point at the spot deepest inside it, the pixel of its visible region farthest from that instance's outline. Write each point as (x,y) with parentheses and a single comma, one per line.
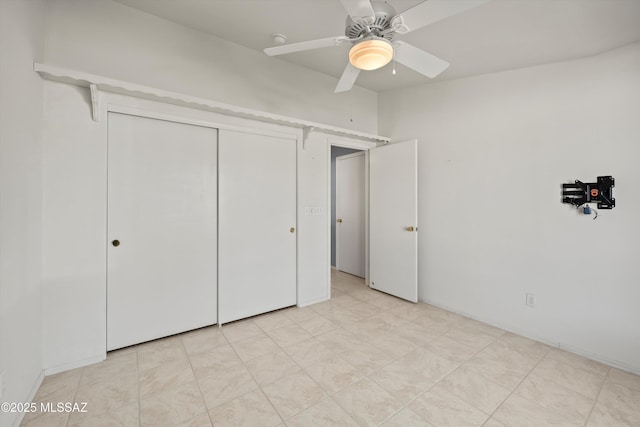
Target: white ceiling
(496,36)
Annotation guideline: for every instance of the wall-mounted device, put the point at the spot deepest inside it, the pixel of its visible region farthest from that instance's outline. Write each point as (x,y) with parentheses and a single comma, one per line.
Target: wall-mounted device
(600,192)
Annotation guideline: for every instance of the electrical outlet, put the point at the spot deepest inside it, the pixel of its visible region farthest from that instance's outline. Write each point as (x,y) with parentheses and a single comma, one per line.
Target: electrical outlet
(531,300)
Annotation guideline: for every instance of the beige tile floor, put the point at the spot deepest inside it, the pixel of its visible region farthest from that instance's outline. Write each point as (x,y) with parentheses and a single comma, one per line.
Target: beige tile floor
(363,358)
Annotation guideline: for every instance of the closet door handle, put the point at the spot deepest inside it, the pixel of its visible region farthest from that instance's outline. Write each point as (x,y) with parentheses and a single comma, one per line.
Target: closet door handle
(116,243)
(339,220)
(292,230)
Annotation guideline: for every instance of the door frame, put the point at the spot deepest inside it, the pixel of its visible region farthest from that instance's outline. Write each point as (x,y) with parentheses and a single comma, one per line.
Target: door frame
(365,147)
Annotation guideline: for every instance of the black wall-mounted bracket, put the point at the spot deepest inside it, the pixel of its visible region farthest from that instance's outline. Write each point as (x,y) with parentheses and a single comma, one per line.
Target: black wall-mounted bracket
(600,192)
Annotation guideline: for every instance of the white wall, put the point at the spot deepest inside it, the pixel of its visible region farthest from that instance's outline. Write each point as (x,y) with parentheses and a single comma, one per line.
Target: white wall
(494,151)
(21,41)
(113,40)
(74,229)
(313,233)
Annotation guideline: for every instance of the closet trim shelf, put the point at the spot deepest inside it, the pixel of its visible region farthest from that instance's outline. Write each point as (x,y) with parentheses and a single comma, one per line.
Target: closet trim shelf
(98,83)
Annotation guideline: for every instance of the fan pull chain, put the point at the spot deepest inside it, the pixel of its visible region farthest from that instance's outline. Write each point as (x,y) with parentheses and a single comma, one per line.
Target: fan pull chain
(393,58)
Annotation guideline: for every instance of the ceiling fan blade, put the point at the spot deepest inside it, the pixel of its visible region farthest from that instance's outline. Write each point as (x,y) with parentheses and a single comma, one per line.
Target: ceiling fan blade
(431,11)
(348,78)
(358,8)
(308,45)
(418,60)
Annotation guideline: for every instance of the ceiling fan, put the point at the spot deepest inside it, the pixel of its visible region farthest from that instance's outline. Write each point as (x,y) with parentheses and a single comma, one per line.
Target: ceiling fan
(372,27)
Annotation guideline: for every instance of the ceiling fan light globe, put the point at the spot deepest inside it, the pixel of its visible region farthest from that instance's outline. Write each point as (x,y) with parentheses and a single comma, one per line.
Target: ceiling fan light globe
(371,54)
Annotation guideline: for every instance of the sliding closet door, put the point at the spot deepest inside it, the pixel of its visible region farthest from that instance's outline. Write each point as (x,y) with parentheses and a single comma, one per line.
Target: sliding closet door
(257,220)
(161,229)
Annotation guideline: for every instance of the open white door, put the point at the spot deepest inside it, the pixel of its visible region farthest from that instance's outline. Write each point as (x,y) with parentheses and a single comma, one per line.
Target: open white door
(350,213)
(393,219)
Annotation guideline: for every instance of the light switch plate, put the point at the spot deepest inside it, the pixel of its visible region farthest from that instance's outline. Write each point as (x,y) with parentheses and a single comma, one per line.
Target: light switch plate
(531,300)
(313,211)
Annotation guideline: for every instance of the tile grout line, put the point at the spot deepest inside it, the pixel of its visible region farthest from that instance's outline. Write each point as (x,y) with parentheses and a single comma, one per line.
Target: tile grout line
(518,385)
(564,363)
(437,382)
(75,395)
(313,337)
(327,394)
(379,368)
(295,322)
(197,382)
(383,310)
(595,402)
(138,384)
(244,365)
(105,411)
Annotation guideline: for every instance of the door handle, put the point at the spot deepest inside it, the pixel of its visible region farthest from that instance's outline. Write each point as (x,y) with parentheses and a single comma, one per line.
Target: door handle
(116,243)
(292,230)
(410,228)
(339,220)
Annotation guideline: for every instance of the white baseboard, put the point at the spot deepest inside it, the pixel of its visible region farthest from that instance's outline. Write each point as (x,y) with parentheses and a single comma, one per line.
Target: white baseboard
(73,365)
(56,370)
(581,352)
(316,301)
(32,395)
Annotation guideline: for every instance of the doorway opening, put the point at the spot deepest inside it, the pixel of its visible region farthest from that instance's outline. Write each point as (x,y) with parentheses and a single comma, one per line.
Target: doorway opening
(391,218)
(348,219)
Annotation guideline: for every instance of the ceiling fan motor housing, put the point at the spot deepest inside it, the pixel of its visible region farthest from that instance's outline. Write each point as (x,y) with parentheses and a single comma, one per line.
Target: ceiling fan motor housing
(381,26)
